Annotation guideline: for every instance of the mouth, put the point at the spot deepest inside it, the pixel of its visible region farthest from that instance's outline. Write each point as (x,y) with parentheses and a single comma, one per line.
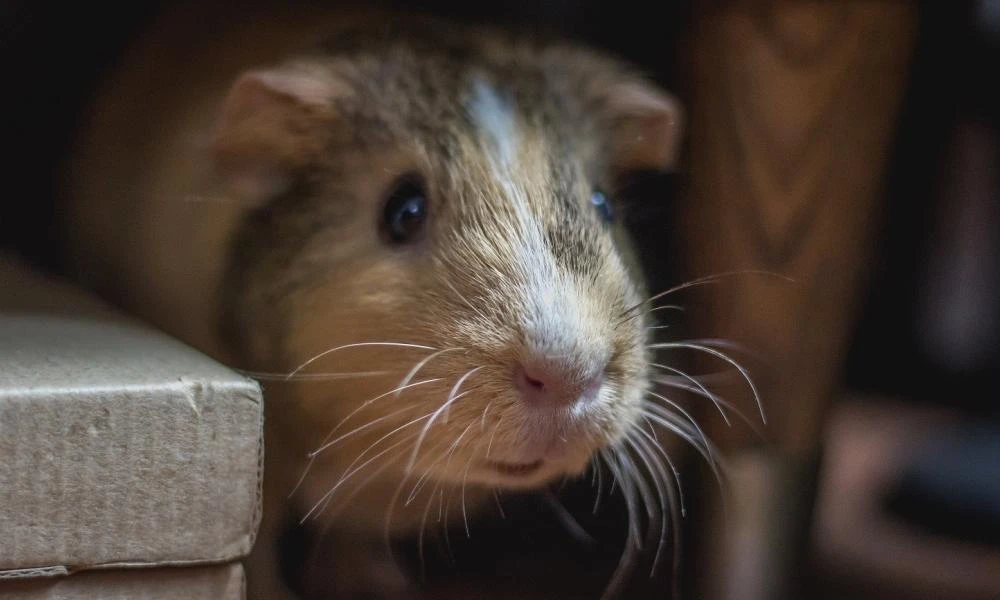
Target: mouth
(515,470)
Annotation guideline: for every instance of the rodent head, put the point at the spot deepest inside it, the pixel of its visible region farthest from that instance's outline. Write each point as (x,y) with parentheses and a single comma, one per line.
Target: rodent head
(449,196)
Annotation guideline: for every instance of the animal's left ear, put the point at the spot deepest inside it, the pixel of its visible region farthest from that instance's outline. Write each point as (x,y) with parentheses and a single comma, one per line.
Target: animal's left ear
(648,126)
(272,122)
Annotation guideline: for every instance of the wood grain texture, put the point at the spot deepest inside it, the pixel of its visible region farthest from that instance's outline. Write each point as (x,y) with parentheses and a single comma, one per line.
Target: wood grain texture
(793,108)
(792,114)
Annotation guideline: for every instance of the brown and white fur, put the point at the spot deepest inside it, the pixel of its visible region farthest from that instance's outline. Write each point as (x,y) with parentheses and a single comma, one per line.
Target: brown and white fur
(228,187)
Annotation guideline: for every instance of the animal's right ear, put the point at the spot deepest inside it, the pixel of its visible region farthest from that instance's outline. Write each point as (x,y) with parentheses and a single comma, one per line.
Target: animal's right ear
(649,126)
(273,122)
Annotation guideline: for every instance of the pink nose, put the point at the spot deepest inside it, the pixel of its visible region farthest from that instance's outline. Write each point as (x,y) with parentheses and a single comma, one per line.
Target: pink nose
(552,385)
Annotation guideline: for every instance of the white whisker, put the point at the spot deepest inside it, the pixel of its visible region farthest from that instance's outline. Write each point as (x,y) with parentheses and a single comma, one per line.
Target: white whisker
(496,498)
(709,453)
(347,476)
(358,430)
(717,343)
(629,550)
(395,498)
(686,414)
(652,429)
(489,446)
(667,496)
(662,495)
(383,438)
(700,386)
(631,500)
(427,470)
(371,401)
(716,378)
(673,469)
(678,426)
(465,477)
(324,443)
(640,483)
(451,398)
(268,376)
(420,365)
(482,426)
(600,482)
(726,358)
(356,345)
(672,383)
(572,525)
(703,281)
(345,501)
(667,307)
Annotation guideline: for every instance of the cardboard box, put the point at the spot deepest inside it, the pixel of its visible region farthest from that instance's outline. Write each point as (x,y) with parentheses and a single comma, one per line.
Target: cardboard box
(222,582)
(119,446)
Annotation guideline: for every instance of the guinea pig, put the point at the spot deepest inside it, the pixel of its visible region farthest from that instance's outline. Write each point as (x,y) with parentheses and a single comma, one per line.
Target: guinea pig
(407,230)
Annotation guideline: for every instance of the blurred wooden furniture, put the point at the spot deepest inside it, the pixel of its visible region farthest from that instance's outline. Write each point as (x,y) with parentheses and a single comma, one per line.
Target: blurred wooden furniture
(864,549)
(792,109)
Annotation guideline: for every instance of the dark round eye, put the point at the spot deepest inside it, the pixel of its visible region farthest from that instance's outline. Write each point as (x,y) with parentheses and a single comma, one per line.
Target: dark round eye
(602,205)
(405,211)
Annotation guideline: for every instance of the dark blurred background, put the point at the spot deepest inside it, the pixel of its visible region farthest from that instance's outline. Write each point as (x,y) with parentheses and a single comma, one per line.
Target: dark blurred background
(906,497)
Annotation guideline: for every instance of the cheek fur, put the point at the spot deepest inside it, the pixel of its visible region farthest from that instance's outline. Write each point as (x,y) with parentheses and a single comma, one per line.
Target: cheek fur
(459,343)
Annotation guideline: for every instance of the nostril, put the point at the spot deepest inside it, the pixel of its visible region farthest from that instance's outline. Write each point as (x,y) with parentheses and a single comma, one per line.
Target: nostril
(532,382)
(529,382)
(554,384)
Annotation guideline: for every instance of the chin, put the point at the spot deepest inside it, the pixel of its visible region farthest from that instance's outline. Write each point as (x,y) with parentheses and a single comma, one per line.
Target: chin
(530,474)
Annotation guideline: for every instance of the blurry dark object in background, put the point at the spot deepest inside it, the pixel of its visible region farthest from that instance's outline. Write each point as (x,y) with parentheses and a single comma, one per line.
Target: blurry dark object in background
(959,303)
(930,331)
(893,520)
(51,54)
(950,486)
(920,516)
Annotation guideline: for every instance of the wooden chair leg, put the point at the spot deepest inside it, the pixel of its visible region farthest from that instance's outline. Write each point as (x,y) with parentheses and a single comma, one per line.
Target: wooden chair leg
(792,111)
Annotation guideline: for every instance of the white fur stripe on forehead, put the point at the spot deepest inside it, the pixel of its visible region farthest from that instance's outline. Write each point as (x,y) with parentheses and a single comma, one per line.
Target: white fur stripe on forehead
(494,117)
(555,309)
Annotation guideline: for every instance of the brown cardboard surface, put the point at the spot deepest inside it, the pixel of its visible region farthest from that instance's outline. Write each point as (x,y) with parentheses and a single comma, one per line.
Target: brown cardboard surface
(118,445)
(223,582)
